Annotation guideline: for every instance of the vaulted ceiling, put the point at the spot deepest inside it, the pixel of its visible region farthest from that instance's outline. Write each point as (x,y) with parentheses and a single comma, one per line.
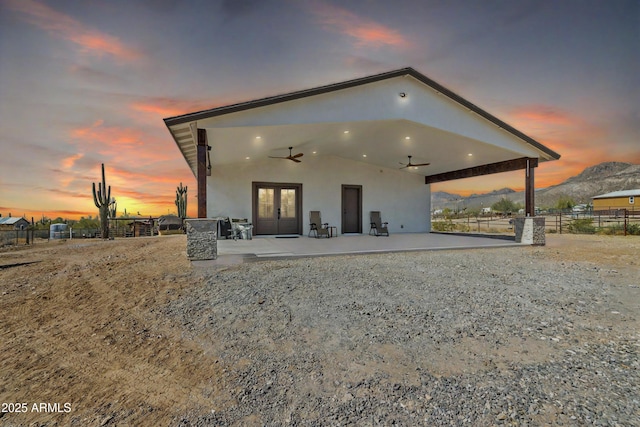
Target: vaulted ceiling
(379,120)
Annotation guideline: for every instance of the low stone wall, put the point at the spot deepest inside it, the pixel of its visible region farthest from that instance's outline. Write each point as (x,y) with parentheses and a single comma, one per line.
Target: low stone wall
(530,230)
(202,239)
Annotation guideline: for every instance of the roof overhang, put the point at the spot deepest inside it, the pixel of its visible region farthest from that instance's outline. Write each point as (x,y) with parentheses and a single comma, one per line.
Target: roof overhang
(380,120)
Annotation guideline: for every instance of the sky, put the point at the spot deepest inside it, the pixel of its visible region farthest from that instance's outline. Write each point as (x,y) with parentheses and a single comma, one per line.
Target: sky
(89,82)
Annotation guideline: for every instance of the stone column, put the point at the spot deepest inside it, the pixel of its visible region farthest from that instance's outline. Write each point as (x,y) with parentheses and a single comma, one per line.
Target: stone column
(530,230)
(202,239)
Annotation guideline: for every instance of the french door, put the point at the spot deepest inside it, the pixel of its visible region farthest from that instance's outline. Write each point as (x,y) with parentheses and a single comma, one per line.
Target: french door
(277,208)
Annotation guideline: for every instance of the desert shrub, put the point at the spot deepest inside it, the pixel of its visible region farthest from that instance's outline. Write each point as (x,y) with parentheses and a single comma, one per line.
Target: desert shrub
(612,230)
(582,226)
(449,226)
(443,226)
(618,230)
(633,229)
(462,227)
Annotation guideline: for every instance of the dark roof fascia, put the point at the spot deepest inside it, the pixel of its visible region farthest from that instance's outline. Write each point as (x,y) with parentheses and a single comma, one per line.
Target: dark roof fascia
(408,71)
(185,118)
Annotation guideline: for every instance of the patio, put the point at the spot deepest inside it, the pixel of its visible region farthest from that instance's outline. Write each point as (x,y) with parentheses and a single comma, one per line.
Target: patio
(267,248)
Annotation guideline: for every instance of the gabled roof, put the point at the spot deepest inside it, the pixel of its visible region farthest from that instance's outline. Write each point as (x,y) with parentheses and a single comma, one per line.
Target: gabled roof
(623,193)
(10,220)
(408,71)
(387,117)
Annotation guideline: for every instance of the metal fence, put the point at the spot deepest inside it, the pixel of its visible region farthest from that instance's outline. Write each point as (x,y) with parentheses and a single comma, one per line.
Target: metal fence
(30,236)
(613,221)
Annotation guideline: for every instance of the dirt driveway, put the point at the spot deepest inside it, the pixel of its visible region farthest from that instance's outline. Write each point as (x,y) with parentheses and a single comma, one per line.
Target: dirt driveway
(84,328)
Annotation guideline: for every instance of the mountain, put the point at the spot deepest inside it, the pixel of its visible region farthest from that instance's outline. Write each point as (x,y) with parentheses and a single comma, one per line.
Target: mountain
(594,180)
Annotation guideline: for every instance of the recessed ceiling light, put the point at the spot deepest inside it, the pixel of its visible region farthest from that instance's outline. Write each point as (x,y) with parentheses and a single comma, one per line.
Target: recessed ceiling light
(470,154)
(314,152)
(402,94)
(247,158)
(415,167)
(364,155)
(346,131)
(407,137)
(258,137)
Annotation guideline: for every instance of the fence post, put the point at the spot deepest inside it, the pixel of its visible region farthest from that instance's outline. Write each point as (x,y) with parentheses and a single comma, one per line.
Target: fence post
(560,222)
(625,221)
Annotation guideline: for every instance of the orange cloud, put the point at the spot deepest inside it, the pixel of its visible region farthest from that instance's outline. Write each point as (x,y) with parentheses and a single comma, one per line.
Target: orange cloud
(68,162)
(170,107)
(544,115)
(366,32)
(97,133)
(68,28)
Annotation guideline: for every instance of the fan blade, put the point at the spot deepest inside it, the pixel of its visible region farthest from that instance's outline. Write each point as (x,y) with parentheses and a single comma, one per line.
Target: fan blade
(274,157)
(405,166)
(298,155)
(294,159)
(421,164)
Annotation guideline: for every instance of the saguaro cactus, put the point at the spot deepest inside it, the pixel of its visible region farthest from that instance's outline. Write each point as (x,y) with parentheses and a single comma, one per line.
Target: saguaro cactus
(113,208)
(181,201)
(102,199)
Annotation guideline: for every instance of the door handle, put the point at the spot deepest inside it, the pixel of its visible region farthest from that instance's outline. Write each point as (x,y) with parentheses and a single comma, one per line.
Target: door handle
(278,213)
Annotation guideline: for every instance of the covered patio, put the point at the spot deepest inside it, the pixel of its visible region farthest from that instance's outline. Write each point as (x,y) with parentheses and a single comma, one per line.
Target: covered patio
(270,248)
(345,149)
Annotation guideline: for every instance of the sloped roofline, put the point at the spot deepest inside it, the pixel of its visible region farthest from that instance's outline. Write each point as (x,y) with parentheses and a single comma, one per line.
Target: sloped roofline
(408,71)
(621,193)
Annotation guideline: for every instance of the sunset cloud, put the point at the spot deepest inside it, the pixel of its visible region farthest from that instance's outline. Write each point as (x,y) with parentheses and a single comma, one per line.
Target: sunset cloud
(68,162)
(160,108)
(365,32)
(545,115)
(63,26)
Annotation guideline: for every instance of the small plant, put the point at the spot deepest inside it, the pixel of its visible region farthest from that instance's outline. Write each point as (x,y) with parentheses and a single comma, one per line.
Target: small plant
(633,229)
(443,226)
(582,226)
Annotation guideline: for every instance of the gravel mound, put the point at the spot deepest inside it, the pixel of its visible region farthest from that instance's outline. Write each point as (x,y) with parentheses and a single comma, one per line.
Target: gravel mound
(481,337)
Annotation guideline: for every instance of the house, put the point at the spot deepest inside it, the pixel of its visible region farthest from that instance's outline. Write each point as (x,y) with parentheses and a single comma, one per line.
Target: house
(169,223)
(625,199)
(141,227)
(13,223)
(369,144)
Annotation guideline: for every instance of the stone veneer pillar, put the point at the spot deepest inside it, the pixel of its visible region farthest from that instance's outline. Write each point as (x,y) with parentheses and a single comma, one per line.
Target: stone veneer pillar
(202,239)
(530,230)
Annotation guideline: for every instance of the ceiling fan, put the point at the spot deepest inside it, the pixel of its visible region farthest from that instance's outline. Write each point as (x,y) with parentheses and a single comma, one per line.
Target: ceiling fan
(293,157)
(409,165)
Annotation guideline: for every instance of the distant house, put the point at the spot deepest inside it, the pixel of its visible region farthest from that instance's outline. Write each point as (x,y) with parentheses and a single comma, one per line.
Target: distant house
(141,227)
(13,223)
(625,199)
(169,223)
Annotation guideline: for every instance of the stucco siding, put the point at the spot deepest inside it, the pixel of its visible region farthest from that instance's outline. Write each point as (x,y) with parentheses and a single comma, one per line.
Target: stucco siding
(402,197)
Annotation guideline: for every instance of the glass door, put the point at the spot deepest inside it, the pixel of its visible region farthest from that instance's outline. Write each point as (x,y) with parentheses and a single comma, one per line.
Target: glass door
(277,208)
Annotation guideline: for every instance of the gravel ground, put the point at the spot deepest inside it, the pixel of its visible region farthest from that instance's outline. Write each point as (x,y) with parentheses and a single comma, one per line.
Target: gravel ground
(476,337)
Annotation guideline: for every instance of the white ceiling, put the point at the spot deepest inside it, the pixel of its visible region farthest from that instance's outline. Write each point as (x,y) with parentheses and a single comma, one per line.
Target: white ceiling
(385,143)
(379,122)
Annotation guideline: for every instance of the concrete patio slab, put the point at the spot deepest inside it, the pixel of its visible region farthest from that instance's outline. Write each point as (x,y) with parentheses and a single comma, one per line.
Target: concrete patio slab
(267,248)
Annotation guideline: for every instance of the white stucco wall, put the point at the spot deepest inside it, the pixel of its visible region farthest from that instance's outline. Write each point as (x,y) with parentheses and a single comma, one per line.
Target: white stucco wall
(403,198)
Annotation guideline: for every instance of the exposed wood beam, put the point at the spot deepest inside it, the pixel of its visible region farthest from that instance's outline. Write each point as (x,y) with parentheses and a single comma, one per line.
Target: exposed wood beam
(506,166)
(529,189)
(203,146)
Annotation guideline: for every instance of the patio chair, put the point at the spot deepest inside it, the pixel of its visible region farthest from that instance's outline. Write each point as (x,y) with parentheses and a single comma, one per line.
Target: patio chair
(316,226)
(240,231)
(378,228)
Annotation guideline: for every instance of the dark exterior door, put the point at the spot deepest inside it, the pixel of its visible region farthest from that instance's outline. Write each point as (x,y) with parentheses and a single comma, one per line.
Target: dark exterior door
(351,209)
(277,208)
